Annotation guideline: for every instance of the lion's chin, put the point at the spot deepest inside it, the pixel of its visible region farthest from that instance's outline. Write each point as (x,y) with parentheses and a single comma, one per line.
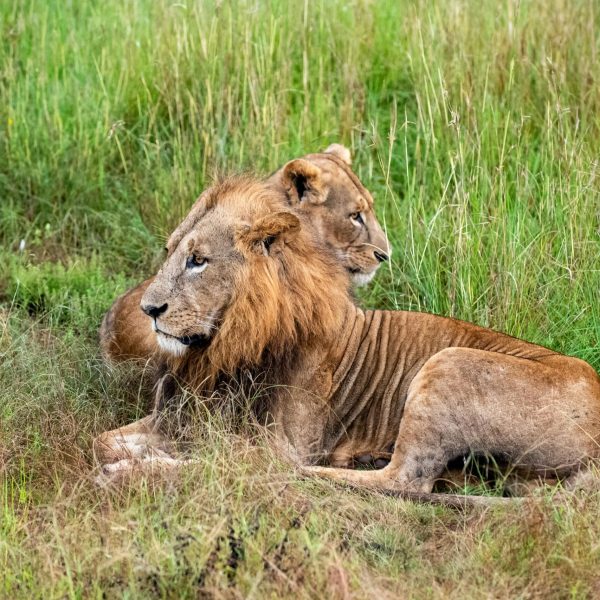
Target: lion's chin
(178,346)
(170,344)
(359,278)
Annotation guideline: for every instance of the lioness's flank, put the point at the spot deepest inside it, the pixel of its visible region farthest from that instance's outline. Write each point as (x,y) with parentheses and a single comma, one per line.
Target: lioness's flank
(246,289)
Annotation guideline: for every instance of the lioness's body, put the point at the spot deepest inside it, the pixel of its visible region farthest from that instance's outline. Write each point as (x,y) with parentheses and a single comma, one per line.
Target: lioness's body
(341,381)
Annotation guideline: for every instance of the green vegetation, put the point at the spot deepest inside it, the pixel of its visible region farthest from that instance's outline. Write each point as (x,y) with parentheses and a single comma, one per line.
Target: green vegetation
(475,125)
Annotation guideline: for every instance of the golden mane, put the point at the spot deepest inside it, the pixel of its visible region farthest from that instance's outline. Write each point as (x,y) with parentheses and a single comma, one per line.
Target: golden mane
(283,301)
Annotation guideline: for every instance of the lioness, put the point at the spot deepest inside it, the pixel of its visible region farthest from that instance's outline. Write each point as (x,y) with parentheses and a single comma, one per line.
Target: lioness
(258,294)
(321,188)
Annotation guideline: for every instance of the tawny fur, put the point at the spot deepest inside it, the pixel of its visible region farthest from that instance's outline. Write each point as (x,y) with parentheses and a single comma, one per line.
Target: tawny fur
(341,381)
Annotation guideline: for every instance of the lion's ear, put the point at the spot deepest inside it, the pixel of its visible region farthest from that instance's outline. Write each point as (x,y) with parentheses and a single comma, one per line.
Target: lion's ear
(303,182)
(270,233)
(340,151)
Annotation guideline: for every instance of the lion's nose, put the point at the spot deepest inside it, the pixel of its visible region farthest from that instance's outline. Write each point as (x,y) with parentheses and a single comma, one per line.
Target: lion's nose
(381,256)
(154,311)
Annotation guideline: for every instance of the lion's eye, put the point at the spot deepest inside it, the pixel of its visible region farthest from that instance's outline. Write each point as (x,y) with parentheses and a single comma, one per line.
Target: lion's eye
(357,218)
(195,263)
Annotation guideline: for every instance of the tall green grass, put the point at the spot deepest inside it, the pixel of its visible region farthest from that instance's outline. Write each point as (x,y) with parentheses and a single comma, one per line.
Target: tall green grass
(476,127)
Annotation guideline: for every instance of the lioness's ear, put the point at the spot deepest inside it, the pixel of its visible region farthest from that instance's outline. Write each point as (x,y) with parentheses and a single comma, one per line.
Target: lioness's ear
(340,151)
(303,182)
(269,233)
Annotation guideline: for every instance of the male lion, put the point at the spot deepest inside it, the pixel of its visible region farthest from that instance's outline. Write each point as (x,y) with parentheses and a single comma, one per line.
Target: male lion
(321,188)
(258,295)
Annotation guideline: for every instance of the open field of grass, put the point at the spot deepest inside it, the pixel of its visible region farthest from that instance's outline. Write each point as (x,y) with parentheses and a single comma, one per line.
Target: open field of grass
(476,125)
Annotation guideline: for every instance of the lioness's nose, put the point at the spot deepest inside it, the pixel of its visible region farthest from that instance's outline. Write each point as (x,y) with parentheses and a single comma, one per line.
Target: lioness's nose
(154,311)
(381,256)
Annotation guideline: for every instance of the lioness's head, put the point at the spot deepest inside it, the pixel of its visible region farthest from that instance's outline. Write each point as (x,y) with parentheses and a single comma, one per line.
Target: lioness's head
(243,276)
(325,190)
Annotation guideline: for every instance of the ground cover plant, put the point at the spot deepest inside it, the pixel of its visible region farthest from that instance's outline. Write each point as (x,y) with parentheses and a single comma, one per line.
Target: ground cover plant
(476,127)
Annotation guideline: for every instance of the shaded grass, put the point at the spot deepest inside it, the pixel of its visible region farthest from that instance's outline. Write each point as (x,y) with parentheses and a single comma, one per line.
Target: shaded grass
(475,125)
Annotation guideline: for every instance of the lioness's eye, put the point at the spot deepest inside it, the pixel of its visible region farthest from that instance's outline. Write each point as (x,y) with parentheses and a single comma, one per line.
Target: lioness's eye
(357,218)
(193,262)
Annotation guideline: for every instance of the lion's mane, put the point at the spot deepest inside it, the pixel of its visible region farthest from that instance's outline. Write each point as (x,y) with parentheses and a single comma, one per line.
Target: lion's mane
(282,303)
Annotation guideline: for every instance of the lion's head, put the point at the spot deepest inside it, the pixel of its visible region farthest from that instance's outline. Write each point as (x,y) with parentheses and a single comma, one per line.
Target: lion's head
(324,189)
(243,279)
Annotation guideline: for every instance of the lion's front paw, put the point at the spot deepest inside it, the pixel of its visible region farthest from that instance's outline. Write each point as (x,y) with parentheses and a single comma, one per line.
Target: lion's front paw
(130,469)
